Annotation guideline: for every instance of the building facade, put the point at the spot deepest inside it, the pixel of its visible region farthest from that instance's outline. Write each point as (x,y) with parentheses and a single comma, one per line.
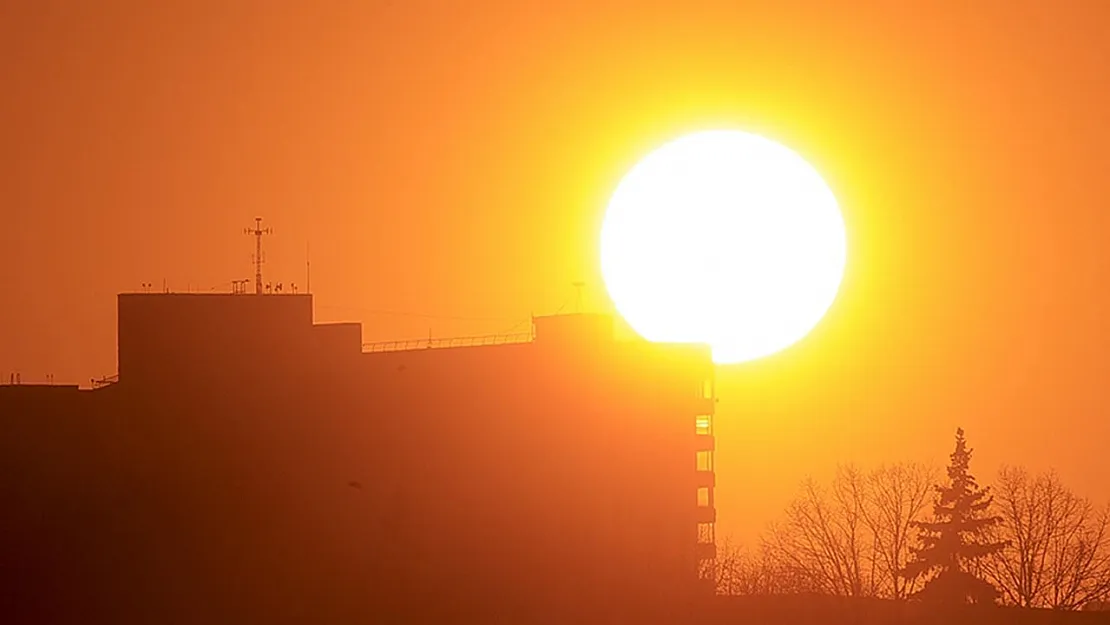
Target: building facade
(248,464)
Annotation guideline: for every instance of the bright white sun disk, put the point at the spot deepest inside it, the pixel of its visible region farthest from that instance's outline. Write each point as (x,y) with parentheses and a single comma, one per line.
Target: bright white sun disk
(726,238)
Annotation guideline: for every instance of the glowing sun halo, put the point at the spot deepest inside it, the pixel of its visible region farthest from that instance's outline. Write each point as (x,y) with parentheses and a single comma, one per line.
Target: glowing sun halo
(726,238)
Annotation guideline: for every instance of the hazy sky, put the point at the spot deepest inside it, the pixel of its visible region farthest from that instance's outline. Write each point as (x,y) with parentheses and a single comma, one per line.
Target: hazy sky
(453,160)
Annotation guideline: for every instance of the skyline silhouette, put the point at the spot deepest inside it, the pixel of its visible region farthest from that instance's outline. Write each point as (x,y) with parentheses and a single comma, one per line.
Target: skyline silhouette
(143,141)
(557,474)
(440,173)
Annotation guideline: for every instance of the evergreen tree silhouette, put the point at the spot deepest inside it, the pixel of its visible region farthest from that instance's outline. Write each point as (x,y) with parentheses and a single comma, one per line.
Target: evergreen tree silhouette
(953,542)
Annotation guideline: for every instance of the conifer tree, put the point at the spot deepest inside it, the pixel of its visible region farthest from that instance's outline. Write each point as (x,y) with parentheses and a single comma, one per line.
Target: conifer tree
(954,541)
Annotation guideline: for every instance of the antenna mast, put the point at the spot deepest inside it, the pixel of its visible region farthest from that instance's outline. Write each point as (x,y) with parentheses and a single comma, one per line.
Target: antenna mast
(257,231)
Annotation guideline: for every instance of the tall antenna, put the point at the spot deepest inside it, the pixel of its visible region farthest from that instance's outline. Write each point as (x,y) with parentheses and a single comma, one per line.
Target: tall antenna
(578,295)
(257,231)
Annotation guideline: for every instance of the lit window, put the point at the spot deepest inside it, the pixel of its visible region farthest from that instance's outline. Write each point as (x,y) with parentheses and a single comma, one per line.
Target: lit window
(707,389)
(703,424)
(705,461)
(703,497)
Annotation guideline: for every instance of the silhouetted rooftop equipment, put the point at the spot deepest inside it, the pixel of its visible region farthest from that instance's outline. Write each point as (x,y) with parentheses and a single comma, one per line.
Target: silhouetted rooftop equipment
(258,231)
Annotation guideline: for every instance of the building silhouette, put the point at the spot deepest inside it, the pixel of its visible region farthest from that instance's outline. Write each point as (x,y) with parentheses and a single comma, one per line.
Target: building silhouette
(249,465)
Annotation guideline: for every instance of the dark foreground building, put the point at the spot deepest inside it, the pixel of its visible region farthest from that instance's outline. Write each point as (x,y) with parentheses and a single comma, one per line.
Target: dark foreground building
(250,466)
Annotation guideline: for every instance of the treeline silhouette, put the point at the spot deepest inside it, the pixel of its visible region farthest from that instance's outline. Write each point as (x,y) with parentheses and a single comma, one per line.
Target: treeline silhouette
(901,532)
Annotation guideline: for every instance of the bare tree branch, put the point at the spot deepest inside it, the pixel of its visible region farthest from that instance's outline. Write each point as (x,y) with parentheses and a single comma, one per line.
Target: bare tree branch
(1058,551)
(742,572)
(857,537)
(899,495)
(854,538)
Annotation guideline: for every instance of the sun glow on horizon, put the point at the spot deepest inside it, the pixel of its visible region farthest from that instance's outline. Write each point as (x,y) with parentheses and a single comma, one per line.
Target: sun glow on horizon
(726,238)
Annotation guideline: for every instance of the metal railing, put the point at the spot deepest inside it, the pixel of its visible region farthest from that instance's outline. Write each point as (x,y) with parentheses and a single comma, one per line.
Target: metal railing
(458,341)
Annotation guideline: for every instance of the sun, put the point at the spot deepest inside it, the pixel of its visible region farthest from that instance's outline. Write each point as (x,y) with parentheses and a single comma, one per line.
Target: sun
(726,238)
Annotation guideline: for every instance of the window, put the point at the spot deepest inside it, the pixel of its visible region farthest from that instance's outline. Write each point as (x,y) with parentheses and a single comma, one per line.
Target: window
(707,389)
(705,533)
(703,497)
(704,461)
(703,424)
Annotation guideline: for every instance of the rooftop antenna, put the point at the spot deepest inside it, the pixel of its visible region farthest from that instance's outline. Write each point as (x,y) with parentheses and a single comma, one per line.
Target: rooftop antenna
(307,270)
(578,295)
(257,231)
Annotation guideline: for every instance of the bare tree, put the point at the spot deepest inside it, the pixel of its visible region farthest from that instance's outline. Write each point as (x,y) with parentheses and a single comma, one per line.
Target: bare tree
(1058,544)
(806,542)
(740,571)
(898,495)
(1082,561)
(820,537)
(854,538)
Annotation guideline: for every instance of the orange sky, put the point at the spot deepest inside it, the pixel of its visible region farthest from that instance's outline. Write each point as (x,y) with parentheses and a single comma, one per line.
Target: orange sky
(454,160)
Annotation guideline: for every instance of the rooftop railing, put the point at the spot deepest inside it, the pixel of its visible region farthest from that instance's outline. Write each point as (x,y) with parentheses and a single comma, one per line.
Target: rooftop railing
(440,343)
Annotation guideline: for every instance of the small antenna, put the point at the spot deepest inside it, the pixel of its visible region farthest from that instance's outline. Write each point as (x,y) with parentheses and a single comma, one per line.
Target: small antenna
(578,295)
(257,231)
(307,270)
